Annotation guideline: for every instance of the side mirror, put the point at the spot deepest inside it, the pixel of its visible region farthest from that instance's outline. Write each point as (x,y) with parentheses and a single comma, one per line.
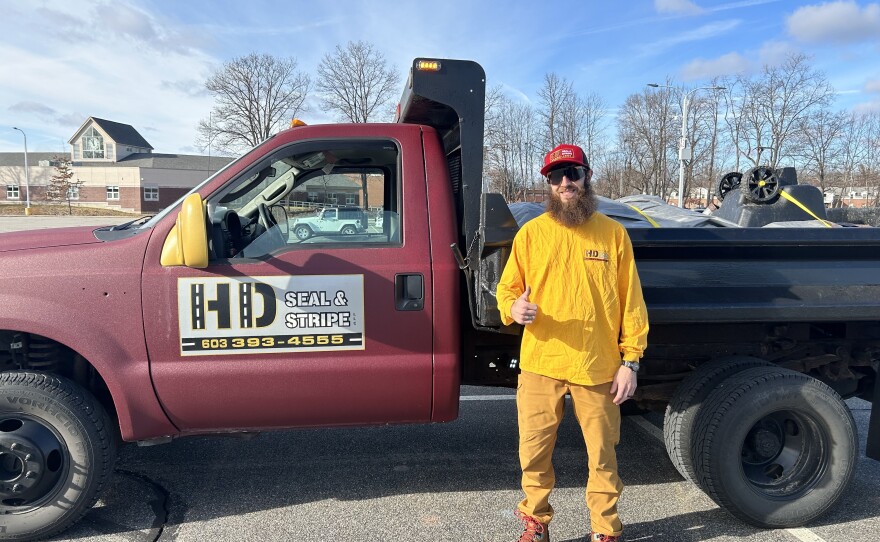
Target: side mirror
(187,242)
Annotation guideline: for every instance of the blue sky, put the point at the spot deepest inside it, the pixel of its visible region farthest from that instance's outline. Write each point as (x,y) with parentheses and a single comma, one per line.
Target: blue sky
(143,62)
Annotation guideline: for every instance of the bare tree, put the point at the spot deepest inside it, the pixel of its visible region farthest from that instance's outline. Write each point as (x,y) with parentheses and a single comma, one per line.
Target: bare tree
(62,186)
(767,108)
(592,110)
(819,137)
(647,124)
(255,96)
(356,82)
(513,151)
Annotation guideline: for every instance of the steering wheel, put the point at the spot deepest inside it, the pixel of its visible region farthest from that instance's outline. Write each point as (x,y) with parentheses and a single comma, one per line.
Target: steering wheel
(268,222)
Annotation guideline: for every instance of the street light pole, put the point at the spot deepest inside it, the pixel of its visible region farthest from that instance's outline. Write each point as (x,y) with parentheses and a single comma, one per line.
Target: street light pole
(684,154)
(27,180)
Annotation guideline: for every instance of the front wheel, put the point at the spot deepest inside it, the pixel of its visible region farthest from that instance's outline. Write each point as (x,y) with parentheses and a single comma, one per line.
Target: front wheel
(302,232)
(56,454)
(777,448)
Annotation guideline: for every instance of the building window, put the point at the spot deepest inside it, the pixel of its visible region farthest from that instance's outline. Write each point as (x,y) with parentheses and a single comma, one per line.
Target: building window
(313,196)
(113,192)
(77,151)
(331,198)
(73,192)
(93,144)
(351,199)
(151,193)
(12,191)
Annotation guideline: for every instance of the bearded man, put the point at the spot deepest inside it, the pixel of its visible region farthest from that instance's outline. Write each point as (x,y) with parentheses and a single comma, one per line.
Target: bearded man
(571,282)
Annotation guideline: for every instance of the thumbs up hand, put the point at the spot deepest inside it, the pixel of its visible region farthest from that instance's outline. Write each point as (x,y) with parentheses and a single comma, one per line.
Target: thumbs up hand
(522,311)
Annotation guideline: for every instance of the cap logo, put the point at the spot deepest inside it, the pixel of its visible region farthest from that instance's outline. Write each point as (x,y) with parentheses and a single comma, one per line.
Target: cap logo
(560,154)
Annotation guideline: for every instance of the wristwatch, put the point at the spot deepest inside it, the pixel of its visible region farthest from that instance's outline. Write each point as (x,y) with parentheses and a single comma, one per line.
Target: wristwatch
(632,365)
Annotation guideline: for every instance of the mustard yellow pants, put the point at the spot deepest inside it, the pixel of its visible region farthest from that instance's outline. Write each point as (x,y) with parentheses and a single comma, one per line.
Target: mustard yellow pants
(540,403)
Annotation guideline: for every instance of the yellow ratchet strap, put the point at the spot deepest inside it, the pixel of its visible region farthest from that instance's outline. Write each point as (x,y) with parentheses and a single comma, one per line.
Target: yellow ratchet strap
(792,199)
(651,220)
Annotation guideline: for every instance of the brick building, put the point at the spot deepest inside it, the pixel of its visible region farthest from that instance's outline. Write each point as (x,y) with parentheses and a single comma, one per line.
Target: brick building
(117,167)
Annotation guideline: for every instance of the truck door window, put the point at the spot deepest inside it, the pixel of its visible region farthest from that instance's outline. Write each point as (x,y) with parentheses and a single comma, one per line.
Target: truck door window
(295,200)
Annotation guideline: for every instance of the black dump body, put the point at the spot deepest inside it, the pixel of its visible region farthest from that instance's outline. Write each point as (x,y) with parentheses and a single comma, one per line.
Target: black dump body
(805,298)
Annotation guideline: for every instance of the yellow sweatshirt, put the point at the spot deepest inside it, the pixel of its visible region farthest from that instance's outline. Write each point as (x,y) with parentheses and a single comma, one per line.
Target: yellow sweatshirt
(590,306)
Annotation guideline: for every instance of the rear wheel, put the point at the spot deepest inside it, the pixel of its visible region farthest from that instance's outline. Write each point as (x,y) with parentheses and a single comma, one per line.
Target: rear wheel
(777,448)
(56,454)
(349,230)
(688,403)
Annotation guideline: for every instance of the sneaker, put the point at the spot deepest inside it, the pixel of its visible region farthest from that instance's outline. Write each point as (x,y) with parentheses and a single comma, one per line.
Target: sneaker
(533,530)
(599,537)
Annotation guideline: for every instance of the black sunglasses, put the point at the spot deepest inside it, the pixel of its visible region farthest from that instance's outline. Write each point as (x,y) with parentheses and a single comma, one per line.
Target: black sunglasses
(574,174)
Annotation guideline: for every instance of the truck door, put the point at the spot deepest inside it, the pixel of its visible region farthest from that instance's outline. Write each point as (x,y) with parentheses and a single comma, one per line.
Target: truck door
(286,330)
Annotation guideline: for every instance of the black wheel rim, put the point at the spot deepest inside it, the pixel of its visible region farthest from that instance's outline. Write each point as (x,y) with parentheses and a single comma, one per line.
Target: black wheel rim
(784,454)
(33,463)
(728,183)
(762,184)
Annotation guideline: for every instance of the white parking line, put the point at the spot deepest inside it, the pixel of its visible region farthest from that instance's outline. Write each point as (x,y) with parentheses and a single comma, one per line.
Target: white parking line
(802,534)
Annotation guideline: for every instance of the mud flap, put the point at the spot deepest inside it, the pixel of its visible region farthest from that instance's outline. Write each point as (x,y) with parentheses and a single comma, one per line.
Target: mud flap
(873,448)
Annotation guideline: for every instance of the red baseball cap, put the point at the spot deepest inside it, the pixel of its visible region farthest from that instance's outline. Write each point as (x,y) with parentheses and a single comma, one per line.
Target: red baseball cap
(564,154)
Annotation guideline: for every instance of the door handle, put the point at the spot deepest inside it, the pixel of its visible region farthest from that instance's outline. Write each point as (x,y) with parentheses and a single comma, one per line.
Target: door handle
(409,291)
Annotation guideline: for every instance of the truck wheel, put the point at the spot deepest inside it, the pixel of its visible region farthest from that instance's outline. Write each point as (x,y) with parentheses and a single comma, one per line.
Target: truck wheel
(778,449)
(302,232)
(56,454)
(687,404)
(349,230)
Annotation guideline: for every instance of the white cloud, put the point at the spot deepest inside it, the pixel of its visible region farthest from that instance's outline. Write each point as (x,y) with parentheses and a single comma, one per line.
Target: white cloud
(774,53)
(708,31)
(685,7)
(872,86)
(867,107)
(729,64)
(835,22)
(141,71)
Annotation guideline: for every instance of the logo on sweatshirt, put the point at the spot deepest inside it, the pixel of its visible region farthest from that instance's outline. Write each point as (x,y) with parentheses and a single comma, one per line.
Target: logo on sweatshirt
(596,255)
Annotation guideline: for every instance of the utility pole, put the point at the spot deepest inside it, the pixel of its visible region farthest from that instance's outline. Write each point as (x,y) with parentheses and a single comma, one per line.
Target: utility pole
(685,153)
(27,179)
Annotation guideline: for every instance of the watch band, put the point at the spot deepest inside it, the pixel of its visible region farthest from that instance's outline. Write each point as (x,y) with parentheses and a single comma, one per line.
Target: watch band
(631,365)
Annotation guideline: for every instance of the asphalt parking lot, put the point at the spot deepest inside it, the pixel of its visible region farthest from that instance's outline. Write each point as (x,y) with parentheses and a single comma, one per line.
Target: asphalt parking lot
(19,223)
(454,481)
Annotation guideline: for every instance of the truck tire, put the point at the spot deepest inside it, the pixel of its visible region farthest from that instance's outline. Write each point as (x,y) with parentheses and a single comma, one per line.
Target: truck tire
(778,449)
(349,230)
(56,454)
(687,404)
(302,232)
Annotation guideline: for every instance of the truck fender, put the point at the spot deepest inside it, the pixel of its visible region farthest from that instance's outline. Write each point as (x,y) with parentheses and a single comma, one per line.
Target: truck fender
(126,372)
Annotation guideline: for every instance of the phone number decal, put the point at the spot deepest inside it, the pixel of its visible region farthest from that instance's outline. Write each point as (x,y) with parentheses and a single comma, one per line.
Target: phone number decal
(270,314)
(285,342)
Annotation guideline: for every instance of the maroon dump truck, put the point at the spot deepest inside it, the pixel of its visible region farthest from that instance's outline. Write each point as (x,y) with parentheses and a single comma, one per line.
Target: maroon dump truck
(215,317)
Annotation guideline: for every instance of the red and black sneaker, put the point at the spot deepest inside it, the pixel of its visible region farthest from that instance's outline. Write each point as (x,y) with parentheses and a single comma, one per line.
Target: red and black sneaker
(533,530)
(599,537)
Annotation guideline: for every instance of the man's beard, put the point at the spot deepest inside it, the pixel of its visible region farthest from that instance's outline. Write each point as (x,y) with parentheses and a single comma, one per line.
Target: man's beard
(575,212)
